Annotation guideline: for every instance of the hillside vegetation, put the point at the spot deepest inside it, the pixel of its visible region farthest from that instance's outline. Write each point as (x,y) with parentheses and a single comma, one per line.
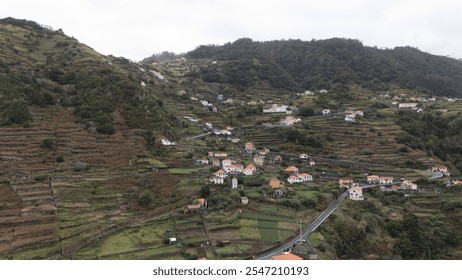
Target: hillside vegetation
(105,158)
(329,64)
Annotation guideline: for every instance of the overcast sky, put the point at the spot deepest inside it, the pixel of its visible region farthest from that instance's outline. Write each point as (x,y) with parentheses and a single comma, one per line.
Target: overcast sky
(136,29)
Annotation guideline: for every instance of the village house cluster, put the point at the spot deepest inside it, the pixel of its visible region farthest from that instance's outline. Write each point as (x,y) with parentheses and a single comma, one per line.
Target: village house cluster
(385,183)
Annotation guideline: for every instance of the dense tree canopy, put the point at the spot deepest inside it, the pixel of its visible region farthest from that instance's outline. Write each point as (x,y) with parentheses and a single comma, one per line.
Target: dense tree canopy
(328,63)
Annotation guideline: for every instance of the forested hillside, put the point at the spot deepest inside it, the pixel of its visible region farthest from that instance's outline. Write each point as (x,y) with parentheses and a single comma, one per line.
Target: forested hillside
(330,64)
(41,67)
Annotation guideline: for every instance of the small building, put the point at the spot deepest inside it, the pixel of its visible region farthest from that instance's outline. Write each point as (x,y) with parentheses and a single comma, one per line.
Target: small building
(305,177)
(234,183)
(202,202)
(409,185)
(312,162)
(217,180)
(372,179)
(172,240)
(356,193)
(249,170)
(287,257)
(192,209)
(278,158)
(221,174)
(345,182)
(303,156)
(439,168)
(278,193)
(326,112)
(386,180)
(227,162)
(167,142)
(202,161)
(220,154)
(215,161)
(244,200)
(249,147)
(291,170)
(350,117)
(233,168)
(293,179)
(275,183)
(407,105)
(259,160)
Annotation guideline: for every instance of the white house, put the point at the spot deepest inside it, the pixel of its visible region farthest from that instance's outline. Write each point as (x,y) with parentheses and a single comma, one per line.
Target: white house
(407,184)
(244,200)
(215,161)
(305,177)
(259,160)
(249,170)
(350,117)
(291,170)
(386,180)
(440,168)
(356,193)
(303,156)
(166,142)
(234,183)
(345,182)
(217,180)
(290,120)
(249,147)
(233,168)
(221,174)
(312,162)
(359,113)
(293,179)
(372,179)
(202,161)
(326,112)
(227,162)
(300,178)
(275,108)
(407,105)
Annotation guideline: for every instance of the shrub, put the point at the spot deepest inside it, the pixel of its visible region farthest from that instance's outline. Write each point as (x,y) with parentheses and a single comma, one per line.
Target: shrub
(16,112)
(81,166)
(107,128)
(146,199)
(48,143)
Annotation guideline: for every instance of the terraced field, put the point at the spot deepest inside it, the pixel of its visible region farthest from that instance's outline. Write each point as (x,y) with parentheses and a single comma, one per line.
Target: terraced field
(50,207)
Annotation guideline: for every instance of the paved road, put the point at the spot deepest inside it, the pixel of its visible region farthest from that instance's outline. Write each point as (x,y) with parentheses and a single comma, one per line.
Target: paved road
(306,230)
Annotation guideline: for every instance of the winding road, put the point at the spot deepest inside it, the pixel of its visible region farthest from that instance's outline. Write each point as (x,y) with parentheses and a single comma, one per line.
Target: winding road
(307,230)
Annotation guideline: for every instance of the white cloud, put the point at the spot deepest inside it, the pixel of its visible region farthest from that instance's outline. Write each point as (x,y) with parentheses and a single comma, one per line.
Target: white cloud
(136,29)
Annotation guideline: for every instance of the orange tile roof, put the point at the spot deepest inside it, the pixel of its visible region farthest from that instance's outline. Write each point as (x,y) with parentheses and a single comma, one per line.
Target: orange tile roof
(287,256)
(291,169)
(221,171)
(275,183)
(304,175)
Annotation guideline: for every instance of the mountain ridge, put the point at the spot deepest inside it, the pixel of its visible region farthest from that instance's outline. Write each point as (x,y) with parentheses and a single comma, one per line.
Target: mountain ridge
(332,63)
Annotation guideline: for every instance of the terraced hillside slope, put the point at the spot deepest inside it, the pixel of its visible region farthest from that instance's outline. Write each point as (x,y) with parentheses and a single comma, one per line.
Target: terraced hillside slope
(104,158)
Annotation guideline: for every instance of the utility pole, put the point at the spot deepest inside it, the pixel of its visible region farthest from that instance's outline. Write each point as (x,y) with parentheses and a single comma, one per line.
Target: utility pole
(300,224)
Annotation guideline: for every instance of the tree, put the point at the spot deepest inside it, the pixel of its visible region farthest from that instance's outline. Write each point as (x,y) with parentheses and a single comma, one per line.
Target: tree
(16,112)
(146,199)
(205,191)
(48,143)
